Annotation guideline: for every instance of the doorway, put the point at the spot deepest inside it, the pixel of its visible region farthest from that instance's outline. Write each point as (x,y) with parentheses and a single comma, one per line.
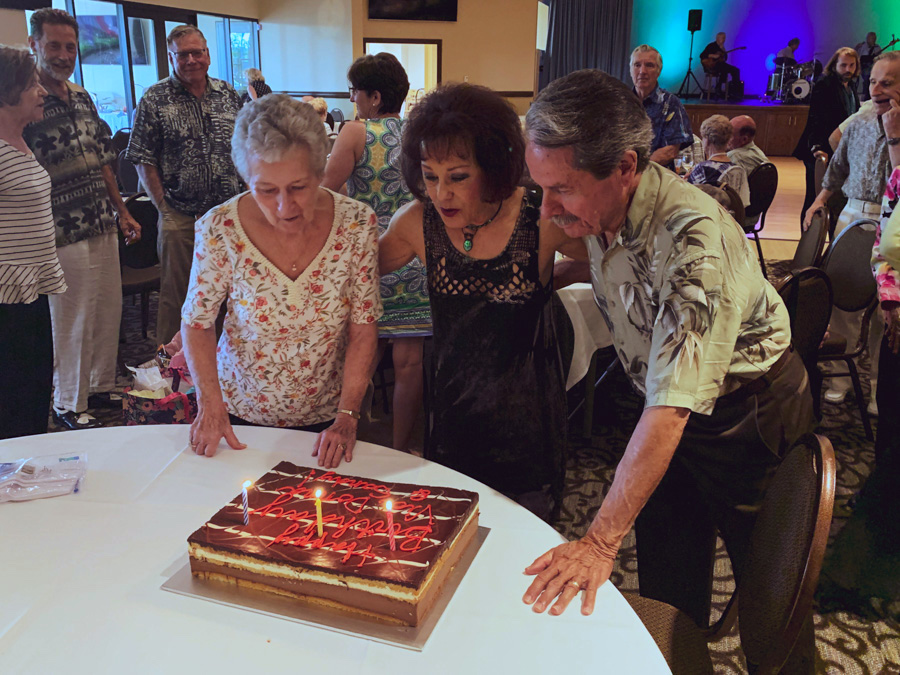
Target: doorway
(420,58)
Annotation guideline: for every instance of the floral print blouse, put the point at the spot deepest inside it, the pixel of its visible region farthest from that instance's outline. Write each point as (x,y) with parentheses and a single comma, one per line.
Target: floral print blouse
(691,315)
(281,354)
(886,277)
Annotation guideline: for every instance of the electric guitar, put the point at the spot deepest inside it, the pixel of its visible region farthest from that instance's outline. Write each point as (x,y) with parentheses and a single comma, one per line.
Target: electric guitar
(712,60)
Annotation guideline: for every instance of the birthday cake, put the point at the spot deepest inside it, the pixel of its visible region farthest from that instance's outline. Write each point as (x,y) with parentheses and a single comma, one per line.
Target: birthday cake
(358,556)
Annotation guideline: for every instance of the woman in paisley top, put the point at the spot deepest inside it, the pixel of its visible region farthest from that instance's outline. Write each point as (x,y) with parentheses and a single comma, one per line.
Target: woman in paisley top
(499,409)
(366,158)
(296,264)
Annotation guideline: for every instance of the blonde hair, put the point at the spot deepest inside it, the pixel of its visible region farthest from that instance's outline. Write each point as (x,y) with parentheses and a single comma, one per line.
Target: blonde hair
(254,75)
(319,106)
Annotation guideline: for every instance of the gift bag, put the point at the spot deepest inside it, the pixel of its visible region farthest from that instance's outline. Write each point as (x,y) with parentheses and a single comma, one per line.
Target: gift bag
(166,396)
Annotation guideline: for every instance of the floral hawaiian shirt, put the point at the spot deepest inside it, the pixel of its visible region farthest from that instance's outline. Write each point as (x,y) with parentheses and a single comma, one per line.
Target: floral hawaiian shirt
(188,140)
(860,165)
(671,124)
(680,287)
(886,277)
(281,354)
(73,146)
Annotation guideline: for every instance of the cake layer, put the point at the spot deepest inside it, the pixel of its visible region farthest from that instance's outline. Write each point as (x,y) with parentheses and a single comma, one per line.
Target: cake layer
(365,601)
(281,546)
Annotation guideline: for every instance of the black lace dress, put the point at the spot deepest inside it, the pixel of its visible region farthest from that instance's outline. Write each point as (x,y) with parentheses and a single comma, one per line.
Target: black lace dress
(498,409)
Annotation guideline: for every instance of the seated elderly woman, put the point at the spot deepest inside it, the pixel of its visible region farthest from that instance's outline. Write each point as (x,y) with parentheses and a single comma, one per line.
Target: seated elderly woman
(718,169)
(321,108)
(499,407)
(297,266)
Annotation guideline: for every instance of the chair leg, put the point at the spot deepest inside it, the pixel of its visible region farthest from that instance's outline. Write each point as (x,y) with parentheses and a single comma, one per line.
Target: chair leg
(860,400)
(762,261)
(145,312)
(587,427)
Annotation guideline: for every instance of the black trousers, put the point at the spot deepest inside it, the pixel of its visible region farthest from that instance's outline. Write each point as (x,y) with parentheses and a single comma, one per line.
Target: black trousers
(316,428)
(716,481)
(724,71)
(26,343)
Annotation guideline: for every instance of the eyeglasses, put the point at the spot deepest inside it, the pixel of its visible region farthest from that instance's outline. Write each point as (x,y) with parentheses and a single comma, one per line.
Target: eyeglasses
(353,91)
(197,54)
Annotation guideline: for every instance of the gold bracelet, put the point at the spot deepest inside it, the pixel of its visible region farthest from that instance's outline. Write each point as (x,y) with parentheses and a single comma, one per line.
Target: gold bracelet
(352,413)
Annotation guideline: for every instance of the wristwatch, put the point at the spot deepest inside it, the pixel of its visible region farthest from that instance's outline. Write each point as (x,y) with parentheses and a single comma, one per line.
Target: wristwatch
(352,413)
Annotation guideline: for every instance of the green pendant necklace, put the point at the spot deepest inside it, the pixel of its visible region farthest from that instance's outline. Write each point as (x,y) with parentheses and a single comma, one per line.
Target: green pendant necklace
(469,231)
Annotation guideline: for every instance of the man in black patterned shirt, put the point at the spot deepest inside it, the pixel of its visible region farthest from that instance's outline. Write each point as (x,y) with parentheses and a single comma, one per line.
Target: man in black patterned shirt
(181,145)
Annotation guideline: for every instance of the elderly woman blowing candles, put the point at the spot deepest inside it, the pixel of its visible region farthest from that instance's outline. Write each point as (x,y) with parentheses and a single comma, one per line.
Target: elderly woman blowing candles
(297,263)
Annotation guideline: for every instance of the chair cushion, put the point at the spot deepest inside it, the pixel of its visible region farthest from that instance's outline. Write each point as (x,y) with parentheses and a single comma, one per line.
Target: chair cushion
(679,639)
(138,280)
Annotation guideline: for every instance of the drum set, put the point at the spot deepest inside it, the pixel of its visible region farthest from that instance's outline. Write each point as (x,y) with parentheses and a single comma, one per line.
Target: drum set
(792,82)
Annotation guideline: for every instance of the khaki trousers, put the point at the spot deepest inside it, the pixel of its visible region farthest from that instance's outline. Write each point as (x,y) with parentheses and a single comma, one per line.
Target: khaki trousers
(86,321)
(175,245)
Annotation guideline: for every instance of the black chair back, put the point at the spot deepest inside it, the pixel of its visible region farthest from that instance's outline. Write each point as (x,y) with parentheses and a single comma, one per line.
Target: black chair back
(812,242)
(338,115)
(763,184)
(786,552)
(808,297)
(329,120)
(848,266)
(820,168)
(120,140)
(127,175)
(142,253)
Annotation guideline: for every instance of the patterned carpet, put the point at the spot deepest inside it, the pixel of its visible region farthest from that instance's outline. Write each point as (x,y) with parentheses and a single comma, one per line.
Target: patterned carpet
(846,643)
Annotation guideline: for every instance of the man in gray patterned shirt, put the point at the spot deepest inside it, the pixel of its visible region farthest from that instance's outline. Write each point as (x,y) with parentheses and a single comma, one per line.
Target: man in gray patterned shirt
(860,168)
(181,145)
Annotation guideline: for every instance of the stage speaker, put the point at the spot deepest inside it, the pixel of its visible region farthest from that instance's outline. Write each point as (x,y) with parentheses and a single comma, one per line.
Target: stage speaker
(695,18)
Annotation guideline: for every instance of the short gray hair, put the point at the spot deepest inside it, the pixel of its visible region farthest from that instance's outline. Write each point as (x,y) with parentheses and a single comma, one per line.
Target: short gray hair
(181,31)
(887,56)
(272,125)
(646,48)
(717,130)
(594,114)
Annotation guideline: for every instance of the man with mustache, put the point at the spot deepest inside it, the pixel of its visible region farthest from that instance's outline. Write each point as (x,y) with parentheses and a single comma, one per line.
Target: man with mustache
(700,333)
(833,100)
(181,145)
(76,150)
(671,126)
(860,168)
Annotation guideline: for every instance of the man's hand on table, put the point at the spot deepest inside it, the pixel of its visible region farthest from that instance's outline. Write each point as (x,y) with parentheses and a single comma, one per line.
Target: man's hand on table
(581,565)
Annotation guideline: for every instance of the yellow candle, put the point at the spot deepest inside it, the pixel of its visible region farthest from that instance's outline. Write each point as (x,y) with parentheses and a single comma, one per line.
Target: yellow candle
(319,511)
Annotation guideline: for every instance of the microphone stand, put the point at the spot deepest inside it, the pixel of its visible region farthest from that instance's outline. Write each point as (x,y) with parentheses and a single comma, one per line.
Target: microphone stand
(684,91)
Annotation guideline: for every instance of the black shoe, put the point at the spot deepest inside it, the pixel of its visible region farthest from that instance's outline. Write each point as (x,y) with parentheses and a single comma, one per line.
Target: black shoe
(107,399)
(75,421)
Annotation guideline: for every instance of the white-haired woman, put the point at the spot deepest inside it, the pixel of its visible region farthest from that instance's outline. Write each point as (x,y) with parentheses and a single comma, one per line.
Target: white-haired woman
(256,85)
(297,265)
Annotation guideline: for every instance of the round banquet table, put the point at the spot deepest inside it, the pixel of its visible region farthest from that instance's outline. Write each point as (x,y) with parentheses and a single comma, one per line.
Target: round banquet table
(82,574)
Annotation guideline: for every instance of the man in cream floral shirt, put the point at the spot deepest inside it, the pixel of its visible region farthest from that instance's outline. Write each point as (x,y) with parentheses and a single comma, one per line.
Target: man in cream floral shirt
(701,334)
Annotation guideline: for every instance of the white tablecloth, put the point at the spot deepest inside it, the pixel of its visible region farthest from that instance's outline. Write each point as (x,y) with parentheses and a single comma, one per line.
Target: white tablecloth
(82,575)
(591,332)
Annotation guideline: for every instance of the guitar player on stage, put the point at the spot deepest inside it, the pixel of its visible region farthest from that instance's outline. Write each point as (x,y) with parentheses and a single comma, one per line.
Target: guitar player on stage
(714,58)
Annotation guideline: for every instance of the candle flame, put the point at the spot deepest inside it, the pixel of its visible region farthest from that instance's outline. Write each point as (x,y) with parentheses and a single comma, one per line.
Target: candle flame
(389,505)
(247,484)
(318,493)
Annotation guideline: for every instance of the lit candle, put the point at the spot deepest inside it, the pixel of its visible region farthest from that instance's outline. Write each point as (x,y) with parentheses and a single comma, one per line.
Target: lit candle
(388,506)
(319,511)
(246,484)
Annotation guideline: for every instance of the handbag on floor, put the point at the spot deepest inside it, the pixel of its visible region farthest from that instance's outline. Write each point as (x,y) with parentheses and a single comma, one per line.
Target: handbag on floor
(174,403)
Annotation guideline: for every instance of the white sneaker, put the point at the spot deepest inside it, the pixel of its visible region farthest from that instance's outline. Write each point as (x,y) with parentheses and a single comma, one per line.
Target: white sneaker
(835,395)
(872,409)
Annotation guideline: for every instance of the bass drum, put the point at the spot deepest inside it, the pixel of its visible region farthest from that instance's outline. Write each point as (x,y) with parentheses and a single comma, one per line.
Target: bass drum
(800,90)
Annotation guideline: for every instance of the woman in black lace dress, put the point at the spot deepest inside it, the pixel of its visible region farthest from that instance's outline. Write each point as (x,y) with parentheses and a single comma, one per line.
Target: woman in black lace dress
(498,411)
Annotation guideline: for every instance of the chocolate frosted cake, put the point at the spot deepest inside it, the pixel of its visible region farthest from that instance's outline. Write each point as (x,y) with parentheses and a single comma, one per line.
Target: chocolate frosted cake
(351,566)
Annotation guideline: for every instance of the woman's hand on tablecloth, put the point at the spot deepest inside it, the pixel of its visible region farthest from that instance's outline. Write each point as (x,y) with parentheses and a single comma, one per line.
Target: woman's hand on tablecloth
(581,565)
(336,442)
(212,424)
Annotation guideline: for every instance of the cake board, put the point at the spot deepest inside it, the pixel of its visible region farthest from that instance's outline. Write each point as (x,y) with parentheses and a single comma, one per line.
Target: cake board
(183,582)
